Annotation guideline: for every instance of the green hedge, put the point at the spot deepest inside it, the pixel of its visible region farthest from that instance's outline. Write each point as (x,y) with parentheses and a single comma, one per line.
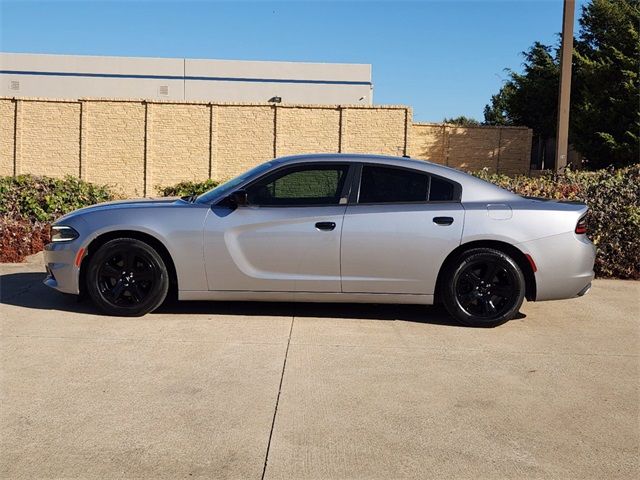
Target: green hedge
(43,199)
(19,238)
(613,197)
(28,204)
(187,188)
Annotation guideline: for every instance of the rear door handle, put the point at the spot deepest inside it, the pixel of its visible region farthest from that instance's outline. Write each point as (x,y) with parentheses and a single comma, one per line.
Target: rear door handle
(443,220)
(328,226)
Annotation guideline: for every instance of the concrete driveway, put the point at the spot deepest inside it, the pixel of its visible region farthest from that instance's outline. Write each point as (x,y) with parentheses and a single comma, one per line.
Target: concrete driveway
(234,390)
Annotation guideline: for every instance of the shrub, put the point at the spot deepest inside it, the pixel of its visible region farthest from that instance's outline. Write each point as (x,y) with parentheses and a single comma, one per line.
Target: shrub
(613,197)
(187,188)
(43,199)
(19,238)
(28,204)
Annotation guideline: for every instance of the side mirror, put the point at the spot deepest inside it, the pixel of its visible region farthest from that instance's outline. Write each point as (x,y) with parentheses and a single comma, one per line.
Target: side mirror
(238,198)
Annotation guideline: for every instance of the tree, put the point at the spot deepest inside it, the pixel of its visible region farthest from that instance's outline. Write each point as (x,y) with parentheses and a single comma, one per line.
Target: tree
(605,98)
(530,98)
(462,121)
(498,111)
(606,121)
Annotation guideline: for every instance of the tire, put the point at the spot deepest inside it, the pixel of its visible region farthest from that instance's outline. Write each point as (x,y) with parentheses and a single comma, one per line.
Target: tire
(127,277)
(483,288)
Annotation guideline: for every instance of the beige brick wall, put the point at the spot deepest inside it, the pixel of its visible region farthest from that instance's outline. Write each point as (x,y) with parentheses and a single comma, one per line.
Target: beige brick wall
(473,148)
(515,151)
(104,141)
(7,110)
(500,149)
(307,130)
(49,138)
(113,145)
(244,138)
(177,144)
(428,142)
(374,130)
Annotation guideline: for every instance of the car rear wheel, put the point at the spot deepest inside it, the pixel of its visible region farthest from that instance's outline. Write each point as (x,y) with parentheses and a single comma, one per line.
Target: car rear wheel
(484,288)
(127,277)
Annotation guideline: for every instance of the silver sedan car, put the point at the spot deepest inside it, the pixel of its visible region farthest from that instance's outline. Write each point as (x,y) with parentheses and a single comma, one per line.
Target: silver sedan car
(329,228)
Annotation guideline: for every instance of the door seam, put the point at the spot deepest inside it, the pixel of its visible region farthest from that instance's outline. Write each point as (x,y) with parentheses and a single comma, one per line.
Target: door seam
(344,214)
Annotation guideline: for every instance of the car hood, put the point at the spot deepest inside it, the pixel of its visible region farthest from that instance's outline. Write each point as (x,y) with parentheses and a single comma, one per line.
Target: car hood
(120,204)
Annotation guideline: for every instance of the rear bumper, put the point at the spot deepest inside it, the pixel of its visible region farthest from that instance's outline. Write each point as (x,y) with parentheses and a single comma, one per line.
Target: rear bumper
(564,263)
(585,290)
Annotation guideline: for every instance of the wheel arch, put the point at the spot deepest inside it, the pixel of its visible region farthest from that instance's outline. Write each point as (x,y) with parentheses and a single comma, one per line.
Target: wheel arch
(518,256)
(147,238)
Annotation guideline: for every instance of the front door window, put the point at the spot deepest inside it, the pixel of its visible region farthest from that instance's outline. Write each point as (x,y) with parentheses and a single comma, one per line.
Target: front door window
(300,186)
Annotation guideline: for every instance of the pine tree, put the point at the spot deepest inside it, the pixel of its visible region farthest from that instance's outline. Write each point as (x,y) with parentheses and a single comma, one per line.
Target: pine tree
(606,120)
(605,97)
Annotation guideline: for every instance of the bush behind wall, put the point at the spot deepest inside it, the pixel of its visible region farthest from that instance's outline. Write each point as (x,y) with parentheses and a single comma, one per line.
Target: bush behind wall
(613,197)
(29,203)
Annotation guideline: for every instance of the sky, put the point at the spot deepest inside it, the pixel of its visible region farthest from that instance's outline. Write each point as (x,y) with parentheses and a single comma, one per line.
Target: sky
(443,58)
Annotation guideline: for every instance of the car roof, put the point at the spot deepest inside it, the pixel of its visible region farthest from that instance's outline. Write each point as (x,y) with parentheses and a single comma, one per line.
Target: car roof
(369,158)
(359,157)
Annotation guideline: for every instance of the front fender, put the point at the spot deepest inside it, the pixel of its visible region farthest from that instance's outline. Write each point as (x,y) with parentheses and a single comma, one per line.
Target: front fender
(178,229)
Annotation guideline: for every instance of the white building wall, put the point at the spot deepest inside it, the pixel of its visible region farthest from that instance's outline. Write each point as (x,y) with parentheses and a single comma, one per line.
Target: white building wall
(67,76)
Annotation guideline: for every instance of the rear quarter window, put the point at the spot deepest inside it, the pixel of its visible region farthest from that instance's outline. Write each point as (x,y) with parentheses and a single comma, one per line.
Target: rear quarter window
(441,190)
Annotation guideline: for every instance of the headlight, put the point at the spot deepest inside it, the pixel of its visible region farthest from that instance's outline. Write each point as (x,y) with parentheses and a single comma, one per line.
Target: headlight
(62,233)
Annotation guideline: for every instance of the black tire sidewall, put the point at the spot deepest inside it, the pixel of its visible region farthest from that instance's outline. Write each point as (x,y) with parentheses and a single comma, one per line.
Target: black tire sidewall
(461,262)
(155,297)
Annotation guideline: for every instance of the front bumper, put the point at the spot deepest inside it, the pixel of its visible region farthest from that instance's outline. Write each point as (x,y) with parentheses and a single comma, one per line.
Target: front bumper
(62,273)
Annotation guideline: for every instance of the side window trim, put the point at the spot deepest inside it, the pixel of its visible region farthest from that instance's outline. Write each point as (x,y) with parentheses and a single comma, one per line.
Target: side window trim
(346,187)
(354,197)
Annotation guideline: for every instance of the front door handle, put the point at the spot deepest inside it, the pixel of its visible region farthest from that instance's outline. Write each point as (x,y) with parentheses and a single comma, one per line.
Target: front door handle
(443,220)
(327,226)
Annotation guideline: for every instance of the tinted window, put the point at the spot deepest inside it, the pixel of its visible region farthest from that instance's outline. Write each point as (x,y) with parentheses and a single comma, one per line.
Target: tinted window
(308,185)
(386,185)
(440,191)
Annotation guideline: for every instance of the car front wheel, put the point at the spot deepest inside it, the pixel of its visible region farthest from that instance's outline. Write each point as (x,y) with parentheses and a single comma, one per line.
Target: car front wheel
(127,277)
(484,288)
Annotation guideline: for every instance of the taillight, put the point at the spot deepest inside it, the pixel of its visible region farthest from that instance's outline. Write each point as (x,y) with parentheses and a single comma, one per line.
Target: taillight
(581,227)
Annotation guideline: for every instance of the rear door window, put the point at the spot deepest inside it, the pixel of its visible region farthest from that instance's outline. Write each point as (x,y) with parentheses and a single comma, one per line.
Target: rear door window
(392,185)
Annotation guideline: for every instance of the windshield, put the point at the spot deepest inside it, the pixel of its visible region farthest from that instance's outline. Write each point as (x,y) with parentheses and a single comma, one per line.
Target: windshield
(230,185)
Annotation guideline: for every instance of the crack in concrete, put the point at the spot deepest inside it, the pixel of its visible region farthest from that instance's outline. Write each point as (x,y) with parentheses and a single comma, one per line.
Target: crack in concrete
(275,411)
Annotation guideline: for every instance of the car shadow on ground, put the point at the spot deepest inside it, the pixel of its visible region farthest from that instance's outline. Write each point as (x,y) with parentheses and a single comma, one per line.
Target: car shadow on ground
(26,290)
(355,311)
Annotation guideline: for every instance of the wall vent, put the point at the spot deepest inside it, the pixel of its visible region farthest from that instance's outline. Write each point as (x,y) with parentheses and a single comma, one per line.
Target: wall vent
(14,85)
(163,90)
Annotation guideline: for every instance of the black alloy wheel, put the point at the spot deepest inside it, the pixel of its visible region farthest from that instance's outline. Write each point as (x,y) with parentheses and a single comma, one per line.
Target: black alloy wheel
(127,277)
(485,288)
